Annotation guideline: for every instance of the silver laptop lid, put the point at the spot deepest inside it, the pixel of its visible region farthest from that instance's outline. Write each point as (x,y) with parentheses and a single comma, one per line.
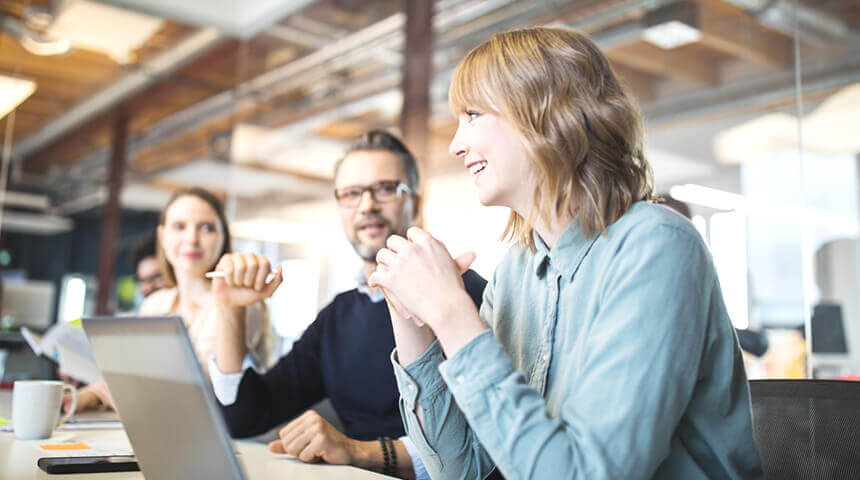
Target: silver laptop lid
(170,415)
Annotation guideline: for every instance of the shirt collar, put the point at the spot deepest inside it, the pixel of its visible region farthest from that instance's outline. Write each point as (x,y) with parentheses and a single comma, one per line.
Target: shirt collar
(567,254)
(374,296)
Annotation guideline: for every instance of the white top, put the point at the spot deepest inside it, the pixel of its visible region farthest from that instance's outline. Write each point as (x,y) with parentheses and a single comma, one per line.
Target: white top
(201,326)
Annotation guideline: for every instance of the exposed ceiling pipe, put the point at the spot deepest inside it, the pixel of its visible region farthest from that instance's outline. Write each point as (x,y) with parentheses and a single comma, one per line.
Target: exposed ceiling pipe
(752,94)
(148,73)
(386,33)
(814,27)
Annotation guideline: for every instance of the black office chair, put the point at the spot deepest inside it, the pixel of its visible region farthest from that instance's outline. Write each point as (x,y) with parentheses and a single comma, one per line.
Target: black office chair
(807,429)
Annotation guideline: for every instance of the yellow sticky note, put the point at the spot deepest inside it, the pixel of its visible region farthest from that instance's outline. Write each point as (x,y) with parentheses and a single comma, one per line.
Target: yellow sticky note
(3,421)
(76,322)
(66,446)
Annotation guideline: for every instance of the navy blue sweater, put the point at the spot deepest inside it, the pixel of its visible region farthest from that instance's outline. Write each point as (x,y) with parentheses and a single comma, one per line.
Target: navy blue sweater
(344,356)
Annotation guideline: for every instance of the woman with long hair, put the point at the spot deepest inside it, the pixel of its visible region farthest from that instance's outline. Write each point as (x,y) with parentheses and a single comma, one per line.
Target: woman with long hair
(603,348)
(192,236)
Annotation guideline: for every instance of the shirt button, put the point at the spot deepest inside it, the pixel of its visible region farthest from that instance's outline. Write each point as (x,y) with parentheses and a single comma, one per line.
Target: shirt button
(410,385)
(460,379)
(544,358)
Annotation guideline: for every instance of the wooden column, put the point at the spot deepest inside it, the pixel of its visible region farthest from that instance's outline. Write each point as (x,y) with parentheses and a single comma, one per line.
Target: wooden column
(111,213)
(417,73)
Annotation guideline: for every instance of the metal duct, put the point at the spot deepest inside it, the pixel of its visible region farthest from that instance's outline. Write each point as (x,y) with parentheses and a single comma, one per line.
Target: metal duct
(814,27)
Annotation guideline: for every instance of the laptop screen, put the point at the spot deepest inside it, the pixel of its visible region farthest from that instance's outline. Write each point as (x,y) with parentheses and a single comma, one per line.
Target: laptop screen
(169,412)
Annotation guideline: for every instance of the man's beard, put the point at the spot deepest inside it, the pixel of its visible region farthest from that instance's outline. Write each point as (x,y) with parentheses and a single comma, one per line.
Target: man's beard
(367,252)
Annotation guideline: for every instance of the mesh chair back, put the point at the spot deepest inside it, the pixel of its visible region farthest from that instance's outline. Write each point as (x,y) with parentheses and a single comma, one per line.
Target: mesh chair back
(807,429)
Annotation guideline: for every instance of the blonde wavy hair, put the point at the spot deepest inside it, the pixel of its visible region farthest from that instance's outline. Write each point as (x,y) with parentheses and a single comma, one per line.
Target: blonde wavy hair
(576,121)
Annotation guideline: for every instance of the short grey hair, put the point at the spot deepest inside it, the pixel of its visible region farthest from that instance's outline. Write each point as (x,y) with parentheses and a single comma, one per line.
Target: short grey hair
(384,141)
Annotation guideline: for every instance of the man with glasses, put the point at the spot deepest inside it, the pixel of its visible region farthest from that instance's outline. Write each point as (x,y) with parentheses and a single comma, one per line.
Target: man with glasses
(345,353)
(146,269)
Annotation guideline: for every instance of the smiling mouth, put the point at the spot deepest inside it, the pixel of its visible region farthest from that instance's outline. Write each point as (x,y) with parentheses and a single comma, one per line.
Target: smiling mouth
(477,167)
(372,227)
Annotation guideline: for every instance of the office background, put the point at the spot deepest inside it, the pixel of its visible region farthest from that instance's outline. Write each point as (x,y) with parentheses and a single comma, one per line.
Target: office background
(751,109)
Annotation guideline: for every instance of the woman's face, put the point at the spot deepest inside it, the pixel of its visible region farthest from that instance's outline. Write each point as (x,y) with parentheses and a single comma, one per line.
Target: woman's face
(493,153)
(191,236)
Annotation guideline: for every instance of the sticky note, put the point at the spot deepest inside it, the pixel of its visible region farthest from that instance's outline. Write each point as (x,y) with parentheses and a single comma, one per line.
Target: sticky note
(66,446)
(3,421)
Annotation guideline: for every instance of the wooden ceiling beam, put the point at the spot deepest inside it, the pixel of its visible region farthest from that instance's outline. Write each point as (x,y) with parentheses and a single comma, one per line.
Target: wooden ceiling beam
(69,148)
(654,60)
(642,86)
(179,150)
(742,37)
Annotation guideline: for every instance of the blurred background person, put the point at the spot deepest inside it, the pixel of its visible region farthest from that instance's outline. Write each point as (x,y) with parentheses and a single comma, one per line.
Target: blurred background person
(192,236)
(146,269)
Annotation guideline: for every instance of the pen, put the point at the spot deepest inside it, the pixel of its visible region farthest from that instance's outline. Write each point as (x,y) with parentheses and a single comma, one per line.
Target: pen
(220,274)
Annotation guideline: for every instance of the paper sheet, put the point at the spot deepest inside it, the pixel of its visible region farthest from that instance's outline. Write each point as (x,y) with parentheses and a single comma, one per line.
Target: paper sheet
(68,345)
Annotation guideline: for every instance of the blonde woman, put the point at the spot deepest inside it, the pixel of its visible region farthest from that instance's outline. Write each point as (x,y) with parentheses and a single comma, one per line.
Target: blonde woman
(192,236)
(602,348)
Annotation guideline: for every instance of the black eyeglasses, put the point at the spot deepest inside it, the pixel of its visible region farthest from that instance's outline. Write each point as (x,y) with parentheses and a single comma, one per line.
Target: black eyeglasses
(382,192)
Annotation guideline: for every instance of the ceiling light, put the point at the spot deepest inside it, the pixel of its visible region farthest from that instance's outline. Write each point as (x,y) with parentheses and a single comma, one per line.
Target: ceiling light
(33,40)
(707,197)
(673,25)
(13,92)
(36,224)
(48,48)
(24,200)
(107,29)
(671,34)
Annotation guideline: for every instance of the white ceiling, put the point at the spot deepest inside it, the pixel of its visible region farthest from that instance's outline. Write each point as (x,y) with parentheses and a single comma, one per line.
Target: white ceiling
(239,18)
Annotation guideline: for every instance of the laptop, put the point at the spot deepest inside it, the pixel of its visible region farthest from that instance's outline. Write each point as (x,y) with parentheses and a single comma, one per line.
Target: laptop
(170,414)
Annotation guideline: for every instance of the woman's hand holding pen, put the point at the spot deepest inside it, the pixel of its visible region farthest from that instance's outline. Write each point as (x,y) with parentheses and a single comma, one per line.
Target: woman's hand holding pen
(244,280)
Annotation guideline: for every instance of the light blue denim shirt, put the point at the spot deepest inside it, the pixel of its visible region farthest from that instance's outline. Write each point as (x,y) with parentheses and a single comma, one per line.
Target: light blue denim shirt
(609,357)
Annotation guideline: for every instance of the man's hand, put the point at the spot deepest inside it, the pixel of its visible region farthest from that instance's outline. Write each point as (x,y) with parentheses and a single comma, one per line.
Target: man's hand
(245,280)
(310,438)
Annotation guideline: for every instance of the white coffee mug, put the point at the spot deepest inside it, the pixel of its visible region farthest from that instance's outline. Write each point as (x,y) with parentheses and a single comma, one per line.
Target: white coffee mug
(36,407)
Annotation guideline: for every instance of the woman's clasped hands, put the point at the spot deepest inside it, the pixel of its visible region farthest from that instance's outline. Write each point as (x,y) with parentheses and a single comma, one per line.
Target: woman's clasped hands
(422,282)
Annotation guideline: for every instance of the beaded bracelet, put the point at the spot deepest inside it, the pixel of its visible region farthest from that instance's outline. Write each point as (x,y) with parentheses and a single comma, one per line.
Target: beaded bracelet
(385,460)
(389,456)
(393,453)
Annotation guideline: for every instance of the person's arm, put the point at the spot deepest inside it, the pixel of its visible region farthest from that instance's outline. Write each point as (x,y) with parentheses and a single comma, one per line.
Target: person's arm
(244,285)
(436,426)
(92,396)
(310,438)
(413,339)
(447,446)
(293,384)
(634,377)
(258,336)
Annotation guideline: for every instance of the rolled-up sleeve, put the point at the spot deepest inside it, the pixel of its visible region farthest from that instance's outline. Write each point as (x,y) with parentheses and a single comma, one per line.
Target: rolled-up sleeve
(447,446)
(625,390)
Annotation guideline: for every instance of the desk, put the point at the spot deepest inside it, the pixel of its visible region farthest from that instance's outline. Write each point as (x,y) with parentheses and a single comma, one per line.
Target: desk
(18,458)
